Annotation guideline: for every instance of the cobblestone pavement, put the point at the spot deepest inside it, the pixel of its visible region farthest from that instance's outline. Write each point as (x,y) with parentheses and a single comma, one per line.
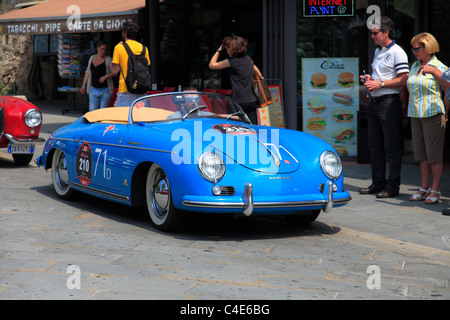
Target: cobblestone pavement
(91,249)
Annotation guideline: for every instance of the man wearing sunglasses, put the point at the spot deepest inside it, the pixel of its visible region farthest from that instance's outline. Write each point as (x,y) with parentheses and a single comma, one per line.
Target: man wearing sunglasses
(390,71)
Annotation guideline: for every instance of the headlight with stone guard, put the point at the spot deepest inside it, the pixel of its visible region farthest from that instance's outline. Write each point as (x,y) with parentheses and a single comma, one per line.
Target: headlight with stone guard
(33,118)
(331,165)
(211,166)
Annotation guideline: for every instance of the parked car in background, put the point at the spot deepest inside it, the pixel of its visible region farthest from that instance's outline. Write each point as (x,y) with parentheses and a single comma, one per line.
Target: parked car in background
(20,124)
(184,152)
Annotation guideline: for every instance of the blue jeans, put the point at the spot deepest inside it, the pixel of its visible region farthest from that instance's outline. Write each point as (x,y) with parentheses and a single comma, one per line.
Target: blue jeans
(99,98)
(125,99)
(385,140)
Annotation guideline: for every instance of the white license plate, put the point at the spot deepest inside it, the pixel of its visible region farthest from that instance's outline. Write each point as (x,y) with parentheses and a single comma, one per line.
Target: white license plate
(21,148)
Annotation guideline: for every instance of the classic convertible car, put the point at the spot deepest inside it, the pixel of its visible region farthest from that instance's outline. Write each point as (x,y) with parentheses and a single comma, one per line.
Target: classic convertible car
(20,124)
(181,152)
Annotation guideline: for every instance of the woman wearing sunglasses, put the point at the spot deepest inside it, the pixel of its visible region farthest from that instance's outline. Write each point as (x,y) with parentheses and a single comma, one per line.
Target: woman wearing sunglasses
(427,111)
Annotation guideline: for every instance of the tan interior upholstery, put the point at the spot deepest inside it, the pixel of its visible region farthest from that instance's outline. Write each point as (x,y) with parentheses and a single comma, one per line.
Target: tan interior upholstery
(120,115)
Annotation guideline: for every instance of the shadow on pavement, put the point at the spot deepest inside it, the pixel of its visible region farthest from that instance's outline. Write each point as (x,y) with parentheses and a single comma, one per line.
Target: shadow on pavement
(198,226)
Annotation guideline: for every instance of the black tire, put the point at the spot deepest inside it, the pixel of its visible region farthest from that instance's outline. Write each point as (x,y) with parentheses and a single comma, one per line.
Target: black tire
(60,177)
(22,160)
(160,207)
(303,218)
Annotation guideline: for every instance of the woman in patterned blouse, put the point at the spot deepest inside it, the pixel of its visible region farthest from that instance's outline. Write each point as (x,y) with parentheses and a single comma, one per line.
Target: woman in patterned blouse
(428,115)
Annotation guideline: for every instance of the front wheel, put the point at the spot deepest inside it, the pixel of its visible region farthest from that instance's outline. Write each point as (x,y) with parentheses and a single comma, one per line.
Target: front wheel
(60,176)
(159,201)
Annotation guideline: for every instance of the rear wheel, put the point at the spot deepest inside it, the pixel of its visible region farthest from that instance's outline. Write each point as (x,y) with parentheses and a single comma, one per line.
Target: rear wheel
(60,176)
(159,201)
(304,218)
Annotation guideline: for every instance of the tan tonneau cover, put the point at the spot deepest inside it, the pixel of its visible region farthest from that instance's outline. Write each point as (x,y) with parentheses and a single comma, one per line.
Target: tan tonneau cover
(120,115)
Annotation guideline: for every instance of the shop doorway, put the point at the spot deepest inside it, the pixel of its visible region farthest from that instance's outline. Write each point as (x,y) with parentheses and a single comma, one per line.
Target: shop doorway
(190,33)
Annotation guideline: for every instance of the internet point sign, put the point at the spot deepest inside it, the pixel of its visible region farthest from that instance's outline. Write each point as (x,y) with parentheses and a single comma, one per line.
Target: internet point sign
(328,8)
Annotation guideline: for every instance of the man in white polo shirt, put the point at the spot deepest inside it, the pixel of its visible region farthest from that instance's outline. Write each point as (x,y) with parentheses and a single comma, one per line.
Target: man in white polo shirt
(390,71)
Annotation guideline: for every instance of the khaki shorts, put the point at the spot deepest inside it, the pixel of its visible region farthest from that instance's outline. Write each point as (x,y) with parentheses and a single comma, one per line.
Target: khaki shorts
(428,136)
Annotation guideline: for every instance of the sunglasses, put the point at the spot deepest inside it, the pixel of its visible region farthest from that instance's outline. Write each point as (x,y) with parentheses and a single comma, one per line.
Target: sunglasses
(416,49)
(375,33)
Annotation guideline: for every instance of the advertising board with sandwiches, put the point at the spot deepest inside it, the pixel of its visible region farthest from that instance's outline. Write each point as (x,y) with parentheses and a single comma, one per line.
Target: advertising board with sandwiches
(331,100)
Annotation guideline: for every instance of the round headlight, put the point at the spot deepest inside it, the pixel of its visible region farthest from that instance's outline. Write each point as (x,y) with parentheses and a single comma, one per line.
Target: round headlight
(211,166)
(33,118)
(331,165)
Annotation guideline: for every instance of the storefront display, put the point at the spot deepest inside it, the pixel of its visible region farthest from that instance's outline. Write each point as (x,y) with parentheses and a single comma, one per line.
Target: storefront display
(68,51)
(331,101)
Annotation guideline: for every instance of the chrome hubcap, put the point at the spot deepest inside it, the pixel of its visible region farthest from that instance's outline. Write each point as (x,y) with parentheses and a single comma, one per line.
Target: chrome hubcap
(160,194)
(61,172)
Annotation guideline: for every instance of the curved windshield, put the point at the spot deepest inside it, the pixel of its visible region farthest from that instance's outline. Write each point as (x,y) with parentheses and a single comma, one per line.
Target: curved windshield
(185,105)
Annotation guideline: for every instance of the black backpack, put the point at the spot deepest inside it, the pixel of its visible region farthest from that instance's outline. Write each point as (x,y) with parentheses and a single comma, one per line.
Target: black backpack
(138,78)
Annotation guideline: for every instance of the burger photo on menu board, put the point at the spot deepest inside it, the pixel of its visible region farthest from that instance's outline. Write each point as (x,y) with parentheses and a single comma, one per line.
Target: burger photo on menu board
(319,80)
(341,150)
(316,123)
(316,105)
(346,80)
(343,115)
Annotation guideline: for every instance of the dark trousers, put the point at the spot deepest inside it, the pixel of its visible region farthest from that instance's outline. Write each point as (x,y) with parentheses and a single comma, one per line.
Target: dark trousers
(250,110)
(385,140)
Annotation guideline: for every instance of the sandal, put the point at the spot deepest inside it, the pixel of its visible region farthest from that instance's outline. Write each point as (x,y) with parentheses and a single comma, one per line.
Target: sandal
(433,200)
(419,196)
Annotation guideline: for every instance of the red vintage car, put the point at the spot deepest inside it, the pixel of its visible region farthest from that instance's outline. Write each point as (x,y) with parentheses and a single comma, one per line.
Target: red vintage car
(20,124)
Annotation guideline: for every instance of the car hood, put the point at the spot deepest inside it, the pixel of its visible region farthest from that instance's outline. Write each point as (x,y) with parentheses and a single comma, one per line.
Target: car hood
(258,148)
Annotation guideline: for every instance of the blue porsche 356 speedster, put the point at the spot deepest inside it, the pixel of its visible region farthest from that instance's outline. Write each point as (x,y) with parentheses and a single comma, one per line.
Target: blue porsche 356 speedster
(184,152)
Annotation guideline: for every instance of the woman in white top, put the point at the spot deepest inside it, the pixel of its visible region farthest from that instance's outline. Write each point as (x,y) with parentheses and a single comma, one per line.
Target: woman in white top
(97,80)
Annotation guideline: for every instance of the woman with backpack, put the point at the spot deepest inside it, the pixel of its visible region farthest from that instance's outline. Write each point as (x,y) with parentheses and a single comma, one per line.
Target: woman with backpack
(98,82)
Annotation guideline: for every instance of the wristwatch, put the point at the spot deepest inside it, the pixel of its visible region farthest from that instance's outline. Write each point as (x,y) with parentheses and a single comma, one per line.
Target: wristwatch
(382,84)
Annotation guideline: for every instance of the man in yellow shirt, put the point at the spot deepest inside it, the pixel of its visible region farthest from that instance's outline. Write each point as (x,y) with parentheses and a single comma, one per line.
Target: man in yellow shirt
(120,63)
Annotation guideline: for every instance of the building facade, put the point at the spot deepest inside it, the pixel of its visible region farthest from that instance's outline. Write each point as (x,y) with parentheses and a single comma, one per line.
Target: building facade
(283,34)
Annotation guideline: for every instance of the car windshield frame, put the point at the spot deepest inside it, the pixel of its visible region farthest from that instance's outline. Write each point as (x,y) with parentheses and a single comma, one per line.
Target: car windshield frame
(184,105)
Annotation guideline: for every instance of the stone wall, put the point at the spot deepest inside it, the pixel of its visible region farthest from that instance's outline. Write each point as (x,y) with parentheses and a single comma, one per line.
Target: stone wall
(16,58)
(16,54)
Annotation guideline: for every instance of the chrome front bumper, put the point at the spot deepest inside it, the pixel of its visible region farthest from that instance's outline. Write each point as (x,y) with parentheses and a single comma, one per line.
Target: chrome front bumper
(248,205)
(24,141)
